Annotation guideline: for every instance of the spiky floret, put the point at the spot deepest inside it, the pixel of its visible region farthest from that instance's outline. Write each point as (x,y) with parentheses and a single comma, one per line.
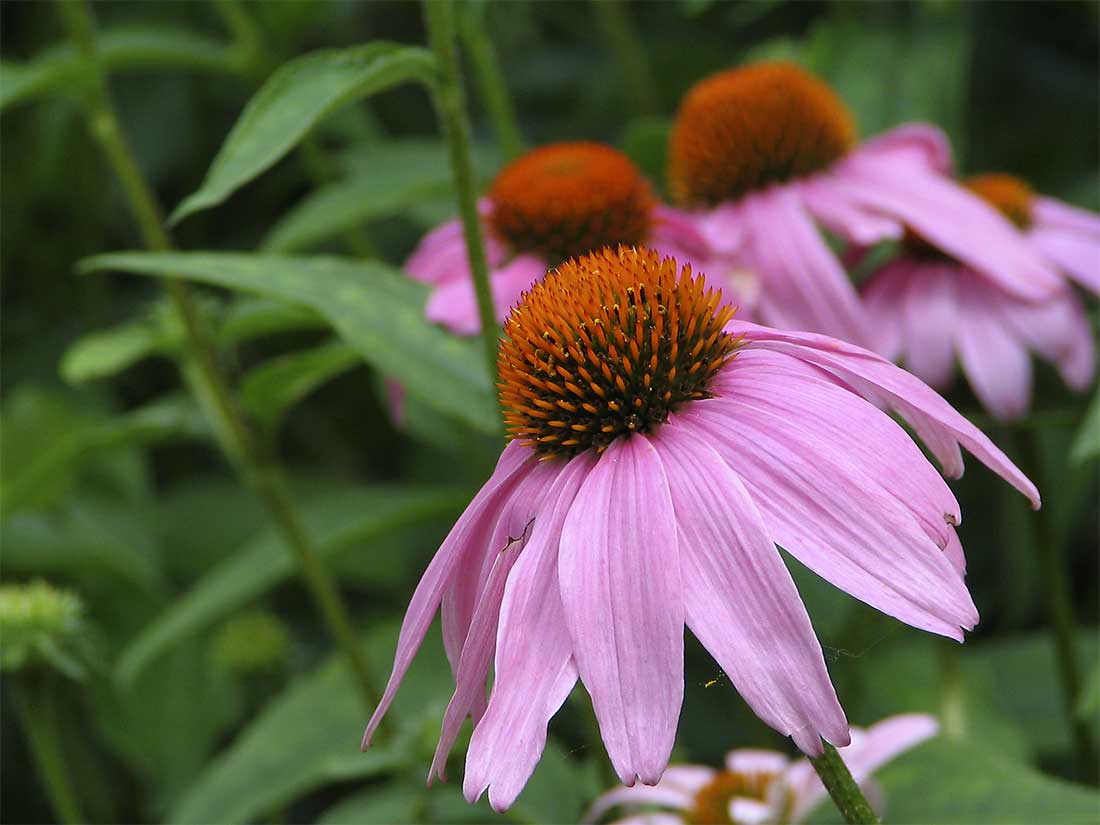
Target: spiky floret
(607,345)
(745,128)
(1006,193)
(711,803)
(566,199)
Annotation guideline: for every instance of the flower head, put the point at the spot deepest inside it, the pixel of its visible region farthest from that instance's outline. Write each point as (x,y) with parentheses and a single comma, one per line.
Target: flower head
(768,151)
(40,624)
(588,559)
(758,787)
(930,307)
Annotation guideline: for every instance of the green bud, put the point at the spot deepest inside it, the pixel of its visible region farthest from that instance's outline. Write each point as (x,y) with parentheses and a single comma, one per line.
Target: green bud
(40,624)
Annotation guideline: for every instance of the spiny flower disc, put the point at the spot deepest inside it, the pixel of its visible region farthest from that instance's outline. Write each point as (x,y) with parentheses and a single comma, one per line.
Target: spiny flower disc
(1006,193)
(606,345)
(745,128)
(569,198)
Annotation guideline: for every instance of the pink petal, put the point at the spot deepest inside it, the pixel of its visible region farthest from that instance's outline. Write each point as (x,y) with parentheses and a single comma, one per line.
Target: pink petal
(1053,213)
(954,552)
(824,507)
(803,285)
(724,227)
(884,298)
(919,144)
(994,360)
(870,750)
(659,794)
(741,602)
(454,304)
(929,321)
(651,819)
(619,574)
(951,219)
(746,811)
(534,664)
(841,216)
(1078,255)
(752,761)
(470,532)
(873,376)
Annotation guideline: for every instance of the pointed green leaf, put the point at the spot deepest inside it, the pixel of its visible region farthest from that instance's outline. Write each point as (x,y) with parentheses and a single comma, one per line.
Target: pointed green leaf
(374,307)
(293,100)
(1087,444)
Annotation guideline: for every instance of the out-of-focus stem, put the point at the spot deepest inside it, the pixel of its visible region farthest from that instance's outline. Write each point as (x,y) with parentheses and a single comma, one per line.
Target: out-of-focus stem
(614,19)
(38,713)
(439,17)
(490,79)
(952,692)
(205,376)
(837,779)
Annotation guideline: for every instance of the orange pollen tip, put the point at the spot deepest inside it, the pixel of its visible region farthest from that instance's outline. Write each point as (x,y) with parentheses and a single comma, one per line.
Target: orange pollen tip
(745,128)
(612,342)
(1006,193)
(566,199)
(711,803)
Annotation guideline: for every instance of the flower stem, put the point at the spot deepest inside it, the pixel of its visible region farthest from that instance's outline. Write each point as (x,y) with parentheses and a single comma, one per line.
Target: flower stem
(38,713)
(1059,608)
(952,691)
(490,79)
(838,781)
(614,19)
(201,367)
(439,18)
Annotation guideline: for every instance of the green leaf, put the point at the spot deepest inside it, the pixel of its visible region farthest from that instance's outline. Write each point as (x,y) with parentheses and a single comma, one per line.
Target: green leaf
(272,388)
(1087,444)
(108,352)
(249,318)
(293,100)
(386,804)
(23,81)
(373,306)
(343,520)
(946,781)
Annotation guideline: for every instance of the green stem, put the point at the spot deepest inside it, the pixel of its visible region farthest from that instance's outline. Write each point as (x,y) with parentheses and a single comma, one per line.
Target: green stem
(201,367)
(439,17)
(952,691)
(490,79)
(630,53)
(38,714)
(1059,608)
(838,781)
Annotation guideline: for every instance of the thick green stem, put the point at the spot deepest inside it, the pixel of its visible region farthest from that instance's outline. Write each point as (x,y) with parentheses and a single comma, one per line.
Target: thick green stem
(490,79)
(201,367)
(38,713)
(1059,608)
(439,17)
(838,781)
(614,19)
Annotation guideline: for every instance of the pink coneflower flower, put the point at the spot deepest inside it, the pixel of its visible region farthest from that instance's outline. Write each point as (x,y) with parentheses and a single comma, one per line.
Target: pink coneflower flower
(765,151)
(551,204)
(928,308)
(759,787)
(659,451)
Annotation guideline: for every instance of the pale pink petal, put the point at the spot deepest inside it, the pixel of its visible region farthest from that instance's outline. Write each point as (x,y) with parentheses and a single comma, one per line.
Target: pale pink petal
(619,574)
(752,761)
(841,216)
(688,778)
(1078,255)
(929,321)
(835,517)
(659,794)
(724,227)
(954,552)
(741,602)
(884,296)
(650,819)
(471,531)
(872,375)
(745,811)
(995,361)
(1050,212)
(441,257)
(534,656)
(803,284)
(920,144)
(951,219)
(870,750)
(454,304)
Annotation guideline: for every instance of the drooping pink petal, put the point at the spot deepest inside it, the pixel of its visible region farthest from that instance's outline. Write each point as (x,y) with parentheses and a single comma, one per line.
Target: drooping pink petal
(870,750)
(803,284)
(919,144)
(740,600)
(534,656)
(440,257)
(954,552)
(841,216)
(872,375)
(994,360)
(454,304)
(929,319)
(884,296)
(1051,212)
(471,530)
(835,517)
(724,227)
(951,219)
(619,574)
(1077,255)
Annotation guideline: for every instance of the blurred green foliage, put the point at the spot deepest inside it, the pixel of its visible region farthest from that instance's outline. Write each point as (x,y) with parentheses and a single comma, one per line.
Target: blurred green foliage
(304,129)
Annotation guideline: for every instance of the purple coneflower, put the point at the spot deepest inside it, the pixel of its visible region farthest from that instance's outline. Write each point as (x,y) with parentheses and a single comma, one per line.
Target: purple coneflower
(929,307)
(759,787)
(659,452)
(766,152)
